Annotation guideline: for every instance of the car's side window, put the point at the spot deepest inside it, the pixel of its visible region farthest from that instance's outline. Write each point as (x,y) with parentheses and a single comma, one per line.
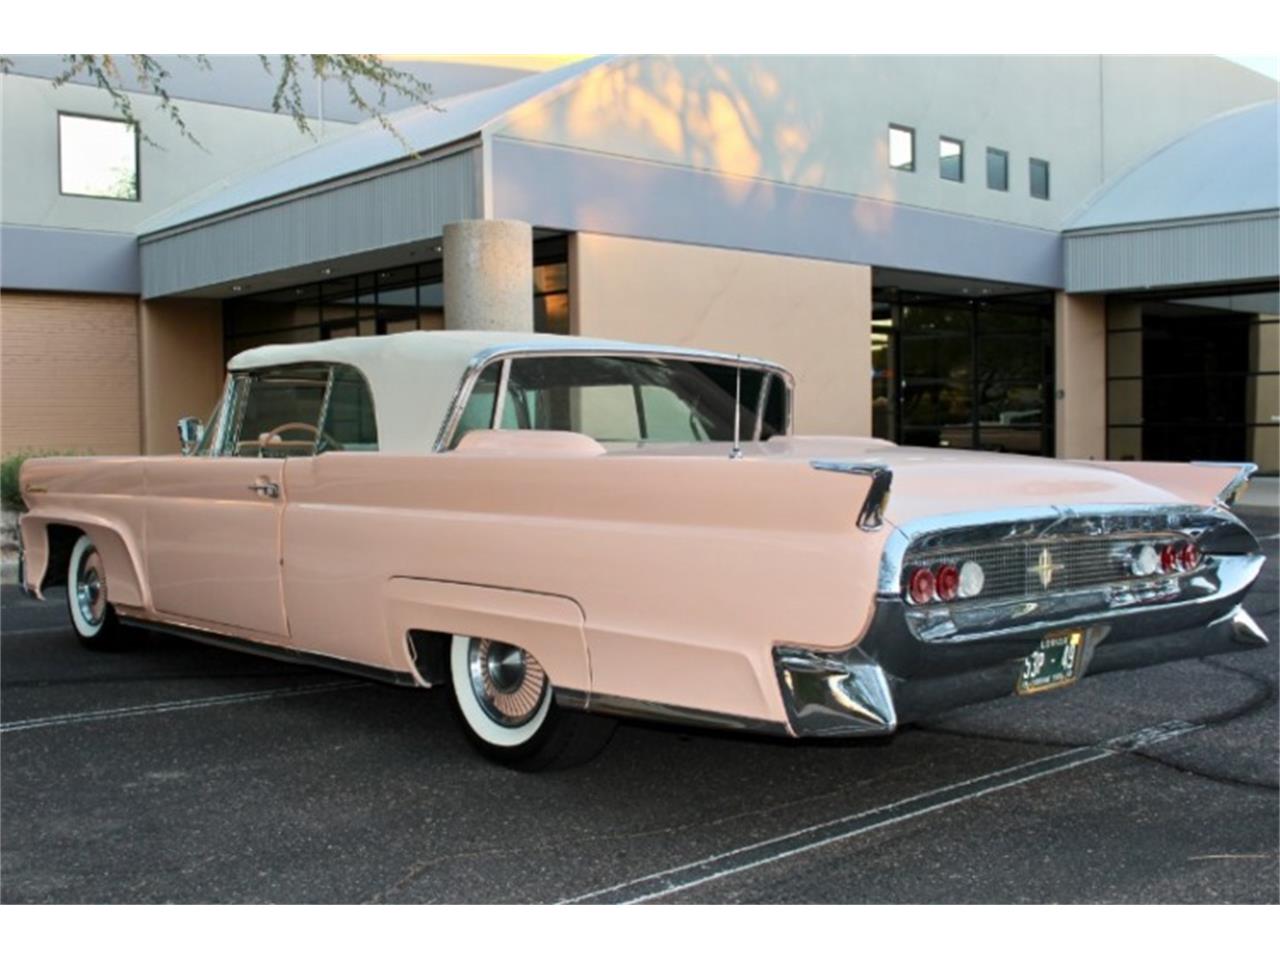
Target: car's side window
(276,412)
(478,413)
(349,420)
(629,399)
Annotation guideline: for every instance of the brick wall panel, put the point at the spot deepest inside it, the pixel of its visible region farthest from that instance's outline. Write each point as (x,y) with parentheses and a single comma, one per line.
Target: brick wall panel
(69,374)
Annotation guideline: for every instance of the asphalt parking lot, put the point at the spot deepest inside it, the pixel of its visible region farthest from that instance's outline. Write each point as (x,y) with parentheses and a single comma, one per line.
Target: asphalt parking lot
(175,772)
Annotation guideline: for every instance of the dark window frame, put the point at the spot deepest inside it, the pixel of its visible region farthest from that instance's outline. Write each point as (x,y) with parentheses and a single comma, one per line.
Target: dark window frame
(910,167)
(942,160)
(137,156)
(1004,156)
(1031,185)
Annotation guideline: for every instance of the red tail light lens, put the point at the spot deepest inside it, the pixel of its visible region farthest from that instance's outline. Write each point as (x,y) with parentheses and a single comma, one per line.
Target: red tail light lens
(946,582)
(1189,556)
(1169,557)
(920,586)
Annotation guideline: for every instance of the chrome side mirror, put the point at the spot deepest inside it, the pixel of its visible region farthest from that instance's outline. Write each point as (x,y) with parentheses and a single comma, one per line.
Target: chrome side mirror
(190,433)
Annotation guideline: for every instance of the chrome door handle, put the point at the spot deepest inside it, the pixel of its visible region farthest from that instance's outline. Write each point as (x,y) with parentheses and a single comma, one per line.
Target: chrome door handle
(266,488)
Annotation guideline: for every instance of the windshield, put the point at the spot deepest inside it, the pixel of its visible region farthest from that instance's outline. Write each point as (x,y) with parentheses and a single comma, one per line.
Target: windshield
(630,399)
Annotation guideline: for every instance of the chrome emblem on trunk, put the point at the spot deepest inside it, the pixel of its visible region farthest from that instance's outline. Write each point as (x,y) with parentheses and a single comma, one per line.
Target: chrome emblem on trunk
(1045,568)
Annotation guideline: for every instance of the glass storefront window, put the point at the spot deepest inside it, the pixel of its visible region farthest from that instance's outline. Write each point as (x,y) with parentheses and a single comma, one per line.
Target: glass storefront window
(395,300)
(1195,375)
(963,372)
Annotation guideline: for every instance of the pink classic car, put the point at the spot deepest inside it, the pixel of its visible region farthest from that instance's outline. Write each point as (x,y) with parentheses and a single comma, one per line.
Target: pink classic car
(564,531)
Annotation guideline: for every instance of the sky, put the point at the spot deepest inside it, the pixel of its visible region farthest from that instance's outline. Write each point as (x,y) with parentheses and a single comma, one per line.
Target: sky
(1269,65)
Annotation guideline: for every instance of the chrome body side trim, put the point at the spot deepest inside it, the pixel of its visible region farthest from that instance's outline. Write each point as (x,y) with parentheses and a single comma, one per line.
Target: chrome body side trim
(476,365)
(662,712)
(876,502)
(283,654)
(1227,495)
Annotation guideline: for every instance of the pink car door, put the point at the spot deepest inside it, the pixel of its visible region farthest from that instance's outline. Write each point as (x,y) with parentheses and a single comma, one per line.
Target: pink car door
(213,540)
(213,521)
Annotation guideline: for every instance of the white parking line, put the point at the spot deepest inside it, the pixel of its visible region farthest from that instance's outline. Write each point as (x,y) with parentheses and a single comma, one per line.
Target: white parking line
(116,713)
(763,852)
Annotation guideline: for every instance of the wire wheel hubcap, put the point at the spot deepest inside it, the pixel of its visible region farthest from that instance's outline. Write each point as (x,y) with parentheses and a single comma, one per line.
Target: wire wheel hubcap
(509,683)
(91,589)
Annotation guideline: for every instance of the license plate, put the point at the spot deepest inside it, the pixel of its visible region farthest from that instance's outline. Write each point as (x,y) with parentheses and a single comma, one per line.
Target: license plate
(1055,663)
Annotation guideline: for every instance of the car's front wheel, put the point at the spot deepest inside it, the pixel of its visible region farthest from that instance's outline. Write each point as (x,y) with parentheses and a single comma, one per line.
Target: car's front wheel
(507,707)
(92,617)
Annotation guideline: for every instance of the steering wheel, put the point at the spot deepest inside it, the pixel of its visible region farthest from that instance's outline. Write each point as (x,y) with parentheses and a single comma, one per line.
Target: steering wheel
(272,437)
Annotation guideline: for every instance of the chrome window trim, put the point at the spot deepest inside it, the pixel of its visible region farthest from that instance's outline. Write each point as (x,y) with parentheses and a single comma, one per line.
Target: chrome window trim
(241,381)
(507,352)
(761,398)
(324,410)
(500,395)
(218,427)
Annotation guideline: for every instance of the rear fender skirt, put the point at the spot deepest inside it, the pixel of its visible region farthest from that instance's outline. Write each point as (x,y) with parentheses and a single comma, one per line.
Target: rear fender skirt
(546,625)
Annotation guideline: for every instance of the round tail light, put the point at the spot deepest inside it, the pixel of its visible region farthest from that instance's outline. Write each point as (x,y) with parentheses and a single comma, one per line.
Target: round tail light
(1169,557)
(920,586)
(1189,556)
(946,581)
(972,578)
(1146,561)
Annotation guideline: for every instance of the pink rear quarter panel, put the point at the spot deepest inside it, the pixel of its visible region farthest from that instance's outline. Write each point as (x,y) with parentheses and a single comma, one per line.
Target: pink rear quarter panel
(685,581)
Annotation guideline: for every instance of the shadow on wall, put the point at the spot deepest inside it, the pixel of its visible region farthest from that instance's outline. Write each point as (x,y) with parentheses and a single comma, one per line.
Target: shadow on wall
(730,115)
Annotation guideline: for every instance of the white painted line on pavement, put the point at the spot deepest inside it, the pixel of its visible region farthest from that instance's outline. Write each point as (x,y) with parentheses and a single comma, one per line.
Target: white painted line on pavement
(116,713)
(720,865)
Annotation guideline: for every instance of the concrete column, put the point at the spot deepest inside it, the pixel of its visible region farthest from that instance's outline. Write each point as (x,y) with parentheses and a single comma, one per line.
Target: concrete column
(182,369)
(1080,361)
(488,275)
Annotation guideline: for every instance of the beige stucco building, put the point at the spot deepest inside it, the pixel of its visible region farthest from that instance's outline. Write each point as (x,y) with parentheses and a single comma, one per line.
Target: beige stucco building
(1071,256)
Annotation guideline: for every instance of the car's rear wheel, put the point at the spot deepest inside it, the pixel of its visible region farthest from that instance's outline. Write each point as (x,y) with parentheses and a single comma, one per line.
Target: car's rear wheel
(92,617)
(506,703)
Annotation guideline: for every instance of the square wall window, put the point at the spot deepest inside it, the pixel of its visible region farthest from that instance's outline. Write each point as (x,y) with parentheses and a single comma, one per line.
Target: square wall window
(997,169)
(902,147)
(951,159)
(1040,179)
(97,157)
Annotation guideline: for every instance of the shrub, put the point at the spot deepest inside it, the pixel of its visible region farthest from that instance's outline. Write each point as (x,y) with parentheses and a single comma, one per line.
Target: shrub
(10,492)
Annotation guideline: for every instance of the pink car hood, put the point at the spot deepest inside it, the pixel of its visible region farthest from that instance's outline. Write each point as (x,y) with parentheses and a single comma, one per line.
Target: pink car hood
(933,482)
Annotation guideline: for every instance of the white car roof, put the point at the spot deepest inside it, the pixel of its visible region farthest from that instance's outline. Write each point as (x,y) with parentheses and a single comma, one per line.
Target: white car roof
(415,376)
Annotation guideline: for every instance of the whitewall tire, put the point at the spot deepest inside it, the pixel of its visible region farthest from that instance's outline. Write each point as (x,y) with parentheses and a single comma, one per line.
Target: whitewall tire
(92,617)
(506,704)
(502,711)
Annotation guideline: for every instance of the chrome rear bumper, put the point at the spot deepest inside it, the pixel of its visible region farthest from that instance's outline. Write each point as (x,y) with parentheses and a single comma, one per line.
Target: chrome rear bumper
(894,676)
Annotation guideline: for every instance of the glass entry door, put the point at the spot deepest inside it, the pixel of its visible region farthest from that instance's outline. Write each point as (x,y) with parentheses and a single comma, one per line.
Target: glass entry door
(973,374)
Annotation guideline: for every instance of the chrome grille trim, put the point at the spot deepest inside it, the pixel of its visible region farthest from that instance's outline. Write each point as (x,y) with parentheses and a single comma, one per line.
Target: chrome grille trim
(1090,585)
(1216,529)
(1010,567)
